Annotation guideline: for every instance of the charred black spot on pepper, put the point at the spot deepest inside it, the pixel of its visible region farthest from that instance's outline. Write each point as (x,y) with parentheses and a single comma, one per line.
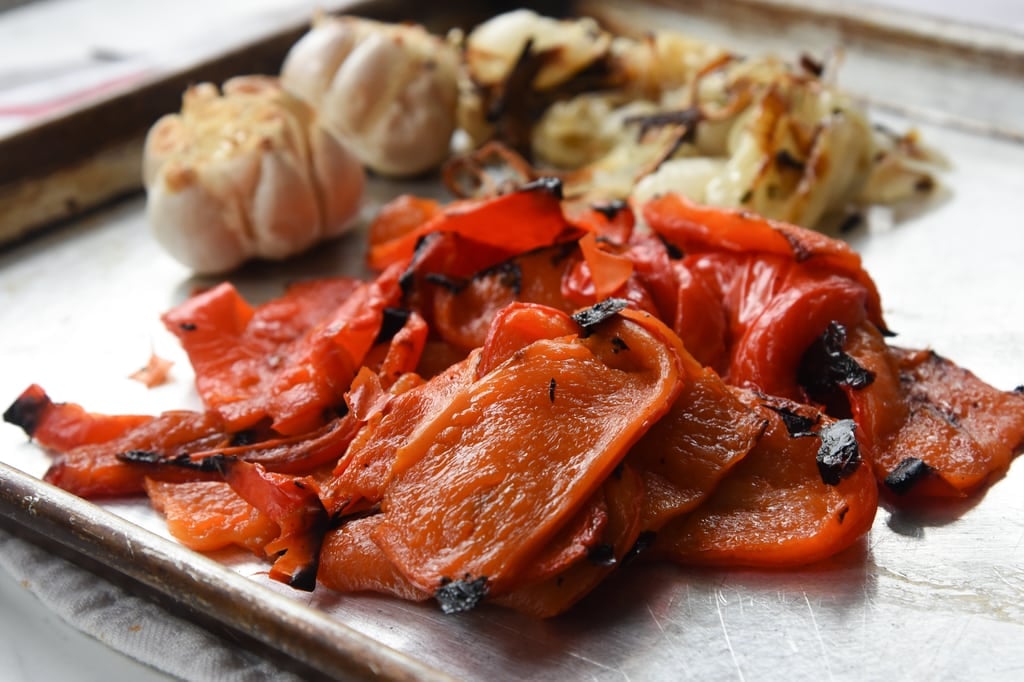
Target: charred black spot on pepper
(445,282)
(456,596)
(187,326)
(906,475)
(618,345)
(217,463)
(945,413)
(644,542)
(602,554)
(551,389)
(391,323)
(801,251)
(825,365)
(141,457)
(610,209)
(26,411)
(1018,389)
(591,318)
(509,274)
(839,454)
(213,464)
(562,252)
(842,513)
(674,252)
(797,425)
(407,280)
(243,437)
(305,578)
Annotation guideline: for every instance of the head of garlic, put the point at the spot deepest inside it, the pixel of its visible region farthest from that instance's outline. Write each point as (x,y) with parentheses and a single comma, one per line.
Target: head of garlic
(246,172)
(389,91)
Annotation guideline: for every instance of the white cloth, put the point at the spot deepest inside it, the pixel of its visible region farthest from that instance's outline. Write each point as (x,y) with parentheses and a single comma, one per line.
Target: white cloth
(134,626)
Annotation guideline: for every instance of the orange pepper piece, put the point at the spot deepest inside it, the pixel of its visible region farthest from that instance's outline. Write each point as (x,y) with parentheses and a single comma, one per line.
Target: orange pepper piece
(774,509)
(489,482)
(208,515)
(623,494)
(520,221)
(935,429)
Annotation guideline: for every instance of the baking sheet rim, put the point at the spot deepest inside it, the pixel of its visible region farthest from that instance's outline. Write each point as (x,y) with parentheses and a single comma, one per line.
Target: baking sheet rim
(200,584)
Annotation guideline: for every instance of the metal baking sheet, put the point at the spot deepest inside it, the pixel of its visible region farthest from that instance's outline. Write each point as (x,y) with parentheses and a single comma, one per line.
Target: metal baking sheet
(936,596)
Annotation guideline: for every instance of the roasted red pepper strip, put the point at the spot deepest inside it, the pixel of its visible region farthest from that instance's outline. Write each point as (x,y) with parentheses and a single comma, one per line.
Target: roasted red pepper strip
(249,369)
(521,451)
(463,313)
(302,454)
(294,504)
(63,426)
(611,220)
(404,350)
(363,473)
(516,327)
(208,515)
(361,477)
(685,455)
(580,288)
(935,430)
(623,494)
(655,273)
(351,562)
(608,271)
(774,509)
(516,222)
(102,470)
(576,538)
(696,229)
(751,317)
(771,335)
(398,218)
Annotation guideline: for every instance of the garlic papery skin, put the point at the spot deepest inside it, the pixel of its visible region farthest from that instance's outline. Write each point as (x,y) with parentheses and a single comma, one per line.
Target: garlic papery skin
(246,173)
(388,91)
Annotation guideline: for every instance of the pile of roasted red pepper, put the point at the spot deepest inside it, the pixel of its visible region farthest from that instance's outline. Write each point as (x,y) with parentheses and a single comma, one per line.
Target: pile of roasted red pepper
(532,393)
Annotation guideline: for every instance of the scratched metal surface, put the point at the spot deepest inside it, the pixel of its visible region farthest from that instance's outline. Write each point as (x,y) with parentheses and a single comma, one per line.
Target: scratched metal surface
(939,597)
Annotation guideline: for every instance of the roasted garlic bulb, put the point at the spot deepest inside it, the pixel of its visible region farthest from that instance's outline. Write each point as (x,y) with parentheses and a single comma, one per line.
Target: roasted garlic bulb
(246,173)
(389,91)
